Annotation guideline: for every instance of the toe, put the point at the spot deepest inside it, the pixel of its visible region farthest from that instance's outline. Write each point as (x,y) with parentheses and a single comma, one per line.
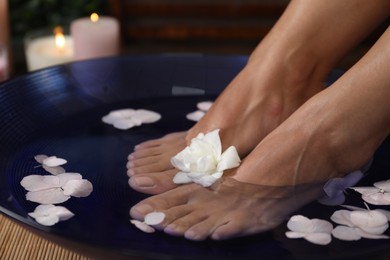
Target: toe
(153,183)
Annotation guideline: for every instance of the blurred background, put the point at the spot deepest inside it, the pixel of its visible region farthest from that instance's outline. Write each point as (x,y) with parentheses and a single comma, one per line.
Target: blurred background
(157,26)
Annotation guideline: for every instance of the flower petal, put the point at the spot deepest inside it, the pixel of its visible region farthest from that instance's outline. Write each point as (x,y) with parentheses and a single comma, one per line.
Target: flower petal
(154,218)
(39,182)
(229,159)
(146,116)
(204,105)
(124,124)
(78,188)
(50,196)
(40,157)
(377,198)
(364,234)
(181,178)
(53,161)
(319,238)
(214,140)
(294,234)
(383,185)
(142,226)
(68,176)
(370,221)
(54,170)
(346,233)
(114,115)
(195,116)
(206,180)
(299,223)
(342,217)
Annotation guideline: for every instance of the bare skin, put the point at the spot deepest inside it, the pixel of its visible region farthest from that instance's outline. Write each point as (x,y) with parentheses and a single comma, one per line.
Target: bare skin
(335,132)
(286,69)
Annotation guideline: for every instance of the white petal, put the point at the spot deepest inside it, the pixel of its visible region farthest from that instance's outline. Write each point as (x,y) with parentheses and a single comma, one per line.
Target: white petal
(54,170)
(385,212)
(181,178)
(383,185)
(342,217)
(51,196)
(114,115)
(321,226)
(346,233)
(294,234)
(214,140)
(299,223)
(364,234)
(195,116)
(204,105)
(40,182)
(319,238)
(142,226)
(229,159)
(78,188)
(124,124)
(146,116)
(40,157)
(154,218)
(62,213)
(377,198)
(67,176)
(53,161)
(46,220)
(178,162)
(370,221)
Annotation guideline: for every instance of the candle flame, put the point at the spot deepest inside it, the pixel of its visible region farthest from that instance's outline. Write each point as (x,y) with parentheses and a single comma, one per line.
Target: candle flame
(94,17)
(59,37)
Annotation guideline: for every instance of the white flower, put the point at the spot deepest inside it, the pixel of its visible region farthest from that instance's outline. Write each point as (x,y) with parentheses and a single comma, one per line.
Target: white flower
(51,164)
(50,189)
(359,224)
(49,215)
(202,161)
(203,107)
(127,118)
(377,195)
(316,231)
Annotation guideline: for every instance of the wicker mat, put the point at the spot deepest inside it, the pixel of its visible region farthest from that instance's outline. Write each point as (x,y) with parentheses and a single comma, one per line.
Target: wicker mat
(18,243)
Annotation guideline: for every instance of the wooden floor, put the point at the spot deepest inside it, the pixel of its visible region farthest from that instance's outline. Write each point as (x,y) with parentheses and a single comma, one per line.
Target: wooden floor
(17,243)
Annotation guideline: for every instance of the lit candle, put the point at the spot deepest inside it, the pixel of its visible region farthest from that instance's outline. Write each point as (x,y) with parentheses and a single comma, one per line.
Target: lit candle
(45,51)
(95,36)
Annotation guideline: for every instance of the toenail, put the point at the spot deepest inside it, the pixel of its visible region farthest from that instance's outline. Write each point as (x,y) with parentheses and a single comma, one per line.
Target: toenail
(143,209)
(144,182)
(130,172)
(190,234)
(130,164)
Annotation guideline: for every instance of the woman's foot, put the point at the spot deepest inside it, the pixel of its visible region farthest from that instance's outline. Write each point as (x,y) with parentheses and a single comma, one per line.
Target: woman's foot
(252,106)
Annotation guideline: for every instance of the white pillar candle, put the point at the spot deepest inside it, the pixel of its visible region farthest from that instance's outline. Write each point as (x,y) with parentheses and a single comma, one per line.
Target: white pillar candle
(95,37)
(44,51)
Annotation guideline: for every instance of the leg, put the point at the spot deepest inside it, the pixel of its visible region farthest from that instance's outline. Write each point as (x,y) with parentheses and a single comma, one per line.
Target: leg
(287,68)
(333,133)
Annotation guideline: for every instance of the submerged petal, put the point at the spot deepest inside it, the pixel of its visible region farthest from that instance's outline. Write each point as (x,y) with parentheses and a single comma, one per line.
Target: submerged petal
(146,116)
(54,170)
(204,105)
(40,157)
(370,221)
(383,185)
